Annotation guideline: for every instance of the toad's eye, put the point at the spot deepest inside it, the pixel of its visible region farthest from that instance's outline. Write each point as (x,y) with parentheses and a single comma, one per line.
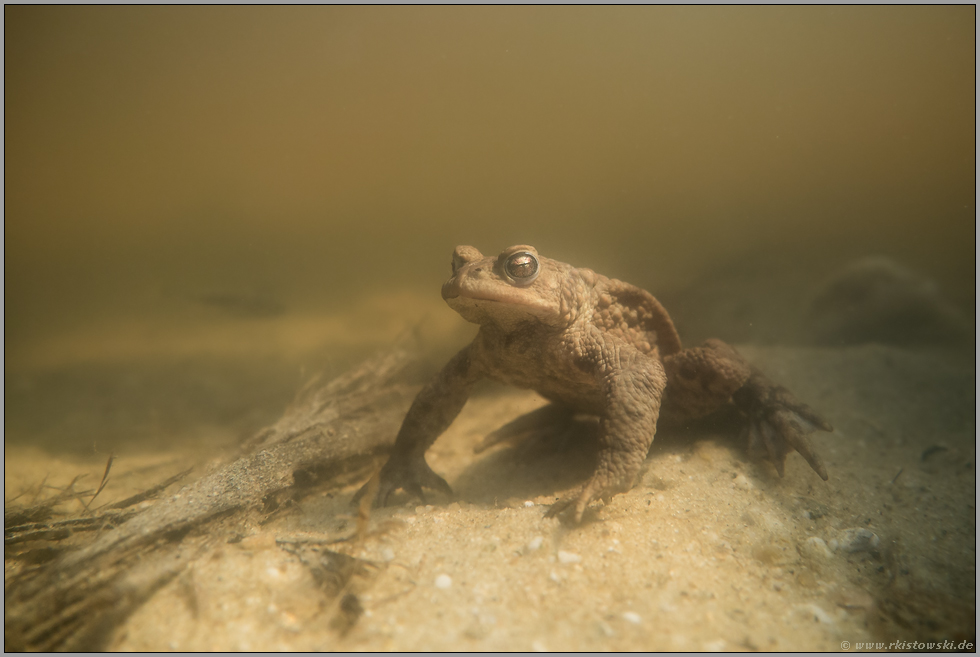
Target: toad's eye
(522,267)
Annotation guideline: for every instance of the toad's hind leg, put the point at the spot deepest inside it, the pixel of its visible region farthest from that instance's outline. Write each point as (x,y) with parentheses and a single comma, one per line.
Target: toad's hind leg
(703,379)
(633,385)
(780,423)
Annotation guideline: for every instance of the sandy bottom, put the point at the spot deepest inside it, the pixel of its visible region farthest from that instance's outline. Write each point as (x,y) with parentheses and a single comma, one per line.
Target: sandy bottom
(710,551)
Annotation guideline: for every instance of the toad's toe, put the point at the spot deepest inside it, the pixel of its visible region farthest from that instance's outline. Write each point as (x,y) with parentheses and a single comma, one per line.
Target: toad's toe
(411,476)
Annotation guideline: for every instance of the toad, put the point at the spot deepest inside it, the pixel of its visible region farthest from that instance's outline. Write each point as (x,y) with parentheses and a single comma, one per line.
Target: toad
(590,345)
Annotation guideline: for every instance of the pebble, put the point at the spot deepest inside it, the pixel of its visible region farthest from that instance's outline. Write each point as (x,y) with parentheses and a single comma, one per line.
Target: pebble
(528,503)
(851,599)
(444,581)
(817,614)
(568,557)
(816,548)
(742,482)
(857,539)
(535,543)
(388,554)
(262,541)
(632,617)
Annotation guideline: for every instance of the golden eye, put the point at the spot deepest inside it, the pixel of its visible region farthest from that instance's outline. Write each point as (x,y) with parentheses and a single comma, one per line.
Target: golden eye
(522,267)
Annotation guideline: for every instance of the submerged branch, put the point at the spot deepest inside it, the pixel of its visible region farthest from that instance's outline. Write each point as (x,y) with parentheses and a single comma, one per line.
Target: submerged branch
(74,601)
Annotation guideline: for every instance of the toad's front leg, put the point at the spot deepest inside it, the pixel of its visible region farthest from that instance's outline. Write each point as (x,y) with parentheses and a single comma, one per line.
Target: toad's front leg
(434,409)
(633,384)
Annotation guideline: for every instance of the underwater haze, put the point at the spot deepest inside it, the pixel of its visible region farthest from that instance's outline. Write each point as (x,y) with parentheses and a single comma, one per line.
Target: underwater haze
(249,186)
(224,226)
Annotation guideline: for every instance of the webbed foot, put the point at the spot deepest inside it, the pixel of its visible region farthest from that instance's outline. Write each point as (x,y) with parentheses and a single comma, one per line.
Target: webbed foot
(780,423)
(410,475)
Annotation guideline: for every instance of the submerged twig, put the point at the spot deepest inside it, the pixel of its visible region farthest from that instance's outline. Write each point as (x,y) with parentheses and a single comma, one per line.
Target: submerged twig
(364,506)
(149,492)
(21,533)
(105,480)
(14,515)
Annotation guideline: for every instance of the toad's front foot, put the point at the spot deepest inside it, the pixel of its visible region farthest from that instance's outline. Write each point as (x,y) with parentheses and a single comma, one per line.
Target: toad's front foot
(779,423)
(411,475)
(614,474)
(578,500)
(595,489)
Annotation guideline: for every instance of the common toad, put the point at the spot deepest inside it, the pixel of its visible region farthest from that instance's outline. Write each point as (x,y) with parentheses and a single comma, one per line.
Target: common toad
(589,344)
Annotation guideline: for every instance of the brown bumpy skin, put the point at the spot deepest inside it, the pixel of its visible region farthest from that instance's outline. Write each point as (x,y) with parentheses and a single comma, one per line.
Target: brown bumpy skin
(594,345)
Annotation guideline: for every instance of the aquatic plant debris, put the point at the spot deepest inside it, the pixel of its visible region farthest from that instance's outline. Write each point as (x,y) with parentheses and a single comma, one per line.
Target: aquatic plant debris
(73,601)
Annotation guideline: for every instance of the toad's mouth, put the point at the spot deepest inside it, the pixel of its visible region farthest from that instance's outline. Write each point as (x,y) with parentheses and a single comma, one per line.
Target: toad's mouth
(459,297)
(472,295)
(454,291)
